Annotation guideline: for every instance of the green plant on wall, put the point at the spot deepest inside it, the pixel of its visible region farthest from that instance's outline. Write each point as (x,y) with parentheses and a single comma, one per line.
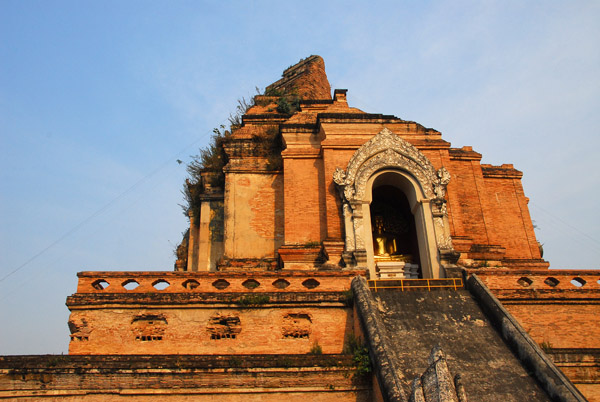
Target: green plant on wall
(348,297)
(288,101)
(316,349)
(288,104)
(546,346)
(360,355)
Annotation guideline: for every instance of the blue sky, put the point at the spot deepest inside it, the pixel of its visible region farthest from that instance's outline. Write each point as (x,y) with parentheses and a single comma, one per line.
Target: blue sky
(99,99)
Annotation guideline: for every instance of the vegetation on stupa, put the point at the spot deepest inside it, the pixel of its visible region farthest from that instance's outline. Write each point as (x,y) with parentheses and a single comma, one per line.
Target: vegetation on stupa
(206,167)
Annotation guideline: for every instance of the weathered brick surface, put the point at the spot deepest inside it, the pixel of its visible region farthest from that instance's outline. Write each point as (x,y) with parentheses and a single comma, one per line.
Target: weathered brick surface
(564,319)
(267,210)
(181,378)
(582,366)
(465,197)
(509,220)
(304,212)
(260,313)
(208,282)
(260,329)
(525,285)
(560,324)
(306,79)
(554,311)
(253,215)
(333,159)
(590,391)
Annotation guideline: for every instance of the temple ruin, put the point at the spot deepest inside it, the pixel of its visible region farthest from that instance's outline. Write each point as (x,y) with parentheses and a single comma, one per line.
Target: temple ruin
(334,254)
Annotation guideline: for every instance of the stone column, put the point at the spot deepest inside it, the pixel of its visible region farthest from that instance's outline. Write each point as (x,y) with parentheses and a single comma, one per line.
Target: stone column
(193,244)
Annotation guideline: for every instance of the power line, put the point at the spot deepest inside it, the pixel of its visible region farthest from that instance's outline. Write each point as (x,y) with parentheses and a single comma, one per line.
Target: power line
(565,223)
(105,207)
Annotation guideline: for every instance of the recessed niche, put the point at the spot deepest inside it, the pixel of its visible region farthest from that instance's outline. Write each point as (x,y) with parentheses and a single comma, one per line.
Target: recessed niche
(223,327)
(281,283)
(147,338)
(79,328)
(524,281)
(100,284)
(251,284)
(296,325)
(149,327)
(311,283)
(130,284)
(190,284)
(550,281)
(221,284)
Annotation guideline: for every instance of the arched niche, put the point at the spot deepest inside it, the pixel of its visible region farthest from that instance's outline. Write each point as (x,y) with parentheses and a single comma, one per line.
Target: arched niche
(387,159)
(421,214)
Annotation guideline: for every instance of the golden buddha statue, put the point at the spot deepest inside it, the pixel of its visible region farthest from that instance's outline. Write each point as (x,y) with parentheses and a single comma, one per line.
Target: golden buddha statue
(392,226)
(384,244)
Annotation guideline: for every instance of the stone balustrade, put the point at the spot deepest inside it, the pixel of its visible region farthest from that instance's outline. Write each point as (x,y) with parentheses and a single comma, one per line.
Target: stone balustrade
(213,282)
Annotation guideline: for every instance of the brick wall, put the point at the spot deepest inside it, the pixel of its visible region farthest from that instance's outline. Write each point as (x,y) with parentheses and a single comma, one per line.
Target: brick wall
(558,325)
(465,201)
(552,306)
(253,215)
(560,309)
(334,159)
(181,378)
(210,313)
(304,211)
(212,329)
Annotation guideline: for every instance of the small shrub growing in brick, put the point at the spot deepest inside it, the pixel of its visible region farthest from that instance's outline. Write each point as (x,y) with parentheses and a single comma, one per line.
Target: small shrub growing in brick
(360,355)
(546,346)
(316,349)
(348,297)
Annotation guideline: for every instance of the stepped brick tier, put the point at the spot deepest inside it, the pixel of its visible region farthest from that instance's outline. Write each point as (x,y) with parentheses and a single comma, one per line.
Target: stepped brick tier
(224,378)
(207,313)
(308,177)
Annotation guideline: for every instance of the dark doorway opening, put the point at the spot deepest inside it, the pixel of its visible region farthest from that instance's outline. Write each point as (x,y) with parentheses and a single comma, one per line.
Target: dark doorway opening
(393,226)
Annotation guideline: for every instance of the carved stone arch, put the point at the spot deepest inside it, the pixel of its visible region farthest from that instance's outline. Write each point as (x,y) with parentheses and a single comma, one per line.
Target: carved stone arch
(388,152)
(390,159)
(386,149)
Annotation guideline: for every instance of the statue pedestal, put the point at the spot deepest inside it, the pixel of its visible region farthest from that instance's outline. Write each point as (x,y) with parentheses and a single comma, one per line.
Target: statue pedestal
(397,270)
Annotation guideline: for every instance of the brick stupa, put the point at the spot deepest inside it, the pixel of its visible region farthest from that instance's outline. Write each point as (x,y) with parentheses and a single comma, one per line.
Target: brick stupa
(334,254)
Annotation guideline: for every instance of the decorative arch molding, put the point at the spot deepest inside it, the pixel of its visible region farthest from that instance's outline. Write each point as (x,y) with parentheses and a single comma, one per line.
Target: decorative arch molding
(390,153)
(387,150)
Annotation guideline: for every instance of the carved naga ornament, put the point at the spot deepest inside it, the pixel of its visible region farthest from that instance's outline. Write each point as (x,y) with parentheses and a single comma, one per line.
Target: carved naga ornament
(387,150)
